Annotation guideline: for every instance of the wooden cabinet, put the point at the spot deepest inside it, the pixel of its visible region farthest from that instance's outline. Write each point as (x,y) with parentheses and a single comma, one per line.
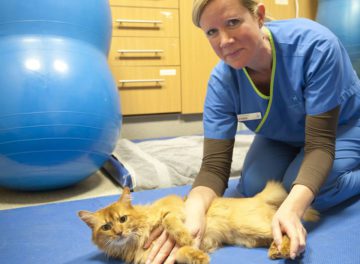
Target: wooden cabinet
(149,89)
(142,52)
(145,22)
(145,55)
(147,3)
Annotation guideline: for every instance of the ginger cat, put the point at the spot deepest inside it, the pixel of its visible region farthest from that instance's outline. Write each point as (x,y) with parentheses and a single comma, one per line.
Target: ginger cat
(121,229)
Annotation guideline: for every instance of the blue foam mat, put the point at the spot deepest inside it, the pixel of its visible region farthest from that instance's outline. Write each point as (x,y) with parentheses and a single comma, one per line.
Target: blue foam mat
(54,234)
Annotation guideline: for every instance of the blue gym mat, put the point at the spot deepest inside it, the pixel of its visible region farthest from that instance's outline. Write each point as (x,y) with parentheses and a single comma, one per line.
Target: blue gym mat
(54,234)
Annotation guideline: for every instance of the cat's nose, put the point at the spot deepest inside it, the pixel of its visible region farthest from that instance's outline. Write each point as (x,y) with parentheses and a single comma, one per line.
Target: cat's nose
(118,232)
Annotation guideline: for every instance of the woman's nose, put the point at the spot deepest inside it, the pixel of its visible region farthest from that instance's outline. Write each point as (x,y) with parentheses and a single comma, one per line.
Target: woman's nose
(225,39)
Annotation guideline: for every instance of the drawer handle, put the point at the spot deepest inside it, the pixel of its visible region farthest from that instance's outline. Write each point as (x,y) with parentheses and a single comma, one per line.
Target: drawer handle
(141,81)
(139,21)
(139,51)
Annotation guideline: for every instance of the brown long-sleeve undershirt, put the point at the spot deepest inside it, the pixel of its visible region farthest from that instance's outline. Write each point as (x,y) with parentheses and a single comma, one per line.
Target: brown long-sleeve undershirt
(320,135)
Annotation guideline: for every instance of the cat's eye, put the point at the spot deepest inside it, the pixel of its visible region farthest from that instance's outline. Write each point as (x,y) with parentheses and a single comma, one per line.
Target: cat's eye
(123,219)
(106,227)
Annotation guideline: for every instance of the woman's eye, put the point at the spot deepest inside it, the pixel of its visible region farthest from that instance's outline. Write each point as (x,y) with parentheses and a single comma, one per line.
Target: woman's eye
(233,22)
(123,219)
(211,32)
(106,227)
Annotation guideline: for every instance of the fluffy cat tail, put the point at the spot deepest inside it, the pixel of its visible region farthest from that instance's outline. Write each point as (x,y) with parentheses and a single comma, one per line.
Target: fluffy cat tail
(273,193)
(311,215)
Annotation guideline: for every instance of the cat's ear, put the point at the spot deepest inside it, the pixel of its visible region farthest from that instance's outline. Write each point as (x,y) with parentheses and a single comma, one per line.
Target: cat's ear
(125,197)
(88,217)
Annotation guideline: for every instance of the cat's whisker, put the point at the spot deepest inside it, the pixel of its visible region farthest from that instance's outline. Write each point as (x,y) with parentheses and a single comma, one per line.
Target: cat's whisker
(135,233)
(108,242)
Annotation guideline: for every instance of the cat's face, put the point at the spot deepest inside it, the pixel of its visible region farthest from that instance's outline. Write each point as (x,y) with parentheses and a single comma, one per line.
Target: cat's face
(115,225)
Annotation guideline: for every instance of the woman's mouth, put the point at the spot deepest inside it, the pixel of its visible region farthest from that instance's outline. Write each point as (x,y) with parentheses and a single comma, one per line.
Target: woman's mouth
(232,55)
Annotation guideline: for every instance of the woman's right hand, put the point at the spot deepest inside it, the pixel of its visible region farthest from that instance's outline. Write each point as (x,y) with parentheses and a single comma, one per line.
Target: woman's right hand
(164,247)
(196,205)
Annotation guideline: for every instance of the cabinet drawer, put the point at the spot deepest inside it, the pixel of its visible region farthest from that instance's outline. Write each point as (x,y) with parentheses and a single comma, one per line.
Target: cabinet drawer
(148,90)
(144,51)
(145,22)
(147,3)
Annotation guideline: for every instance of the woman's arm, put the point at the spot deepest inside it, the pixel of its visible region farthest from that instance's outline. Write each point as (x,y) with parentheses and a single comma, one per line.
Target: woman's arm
(216,165)
(287,219)
(196,206)
(320,136)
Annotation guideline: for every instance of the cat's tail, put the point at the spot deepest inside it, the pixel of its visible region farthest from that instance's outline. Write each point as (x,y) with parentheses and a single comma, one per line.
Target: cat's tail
(311,215)
(273,193)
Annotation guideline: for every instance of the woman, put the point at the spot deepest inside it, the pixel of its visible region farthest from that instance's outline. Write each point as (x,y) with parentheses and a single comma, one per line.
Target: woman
(292,83)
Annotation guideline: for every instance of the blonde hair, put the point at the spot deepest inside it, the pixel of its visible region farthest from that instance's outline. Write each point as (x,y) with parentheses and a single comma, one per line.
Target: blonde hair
(199,6)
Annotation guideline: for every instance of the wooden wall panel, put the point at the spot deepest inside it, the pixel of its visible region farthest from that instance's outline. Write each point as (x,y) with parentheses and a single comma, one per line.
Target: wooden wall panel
(307,8)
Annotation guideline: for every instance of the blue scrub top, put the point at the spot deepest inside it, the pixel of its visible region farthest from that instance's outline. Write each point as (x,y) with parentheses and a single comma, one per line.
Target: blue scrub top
(311,74)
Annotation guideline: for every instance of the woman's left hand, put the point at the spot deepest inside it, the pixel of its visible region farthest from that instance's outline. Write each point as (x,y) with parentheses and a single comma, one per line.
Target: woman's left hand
(287,219)
(288,222)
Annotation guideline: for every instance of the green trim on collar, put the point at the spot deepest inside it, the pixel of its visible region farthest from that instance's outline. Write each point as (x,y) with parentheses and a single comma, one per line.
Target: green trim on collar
(273,70)
(263,96)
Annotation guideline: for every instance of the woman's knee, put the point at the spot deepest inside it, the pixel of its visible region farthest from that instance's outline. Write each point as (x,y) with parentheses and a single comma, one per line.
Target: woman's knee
(266,160)
(338,188)
(249,186)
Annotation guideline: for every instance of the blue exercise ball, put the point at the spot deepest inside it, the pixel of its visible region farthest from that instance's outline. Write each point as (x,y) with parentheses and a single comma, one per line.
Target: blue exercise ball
(343,18)
(59,107)
(87,20)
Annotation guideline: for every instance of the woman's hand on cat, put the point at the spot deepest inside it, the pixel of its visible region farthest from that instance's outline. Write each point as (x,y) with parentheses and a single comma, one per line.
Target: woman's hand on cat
(287,219)
(196,223)
(164,247)
(196,205)
(289,223)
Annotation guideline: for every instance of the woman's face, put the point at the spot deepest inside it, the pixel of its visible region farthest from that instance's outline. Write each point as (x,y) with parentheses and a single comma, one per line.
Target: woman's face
(234,33)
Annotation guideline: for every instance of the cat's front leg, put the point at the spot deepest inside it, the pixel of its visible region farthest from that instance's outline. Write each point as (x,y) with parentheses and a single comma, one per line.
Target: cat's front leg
(173,224)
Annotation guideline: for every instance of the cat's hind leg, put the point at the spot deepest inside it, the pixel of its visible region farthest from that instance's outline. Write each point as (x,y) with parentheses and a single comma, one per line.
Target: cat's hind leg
(284,251)
(175,227)
(208,244)
(191,255)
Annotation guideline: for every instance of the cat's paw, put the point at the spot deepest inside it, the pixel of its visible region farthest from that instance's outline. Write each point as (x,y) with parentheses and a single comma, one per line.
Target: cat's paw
(190,255)
(184,239)
(284,251)
(177,231)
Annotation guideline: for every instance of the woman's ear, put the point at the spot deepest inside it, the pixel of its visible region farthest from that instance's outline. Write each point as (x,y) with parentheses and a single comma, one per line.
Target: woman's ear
(260,13)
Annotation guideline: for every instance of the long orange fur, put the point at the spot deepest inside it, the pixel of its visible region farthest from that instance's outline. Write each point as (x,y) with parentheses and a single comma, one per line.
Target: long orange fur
(121,229)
